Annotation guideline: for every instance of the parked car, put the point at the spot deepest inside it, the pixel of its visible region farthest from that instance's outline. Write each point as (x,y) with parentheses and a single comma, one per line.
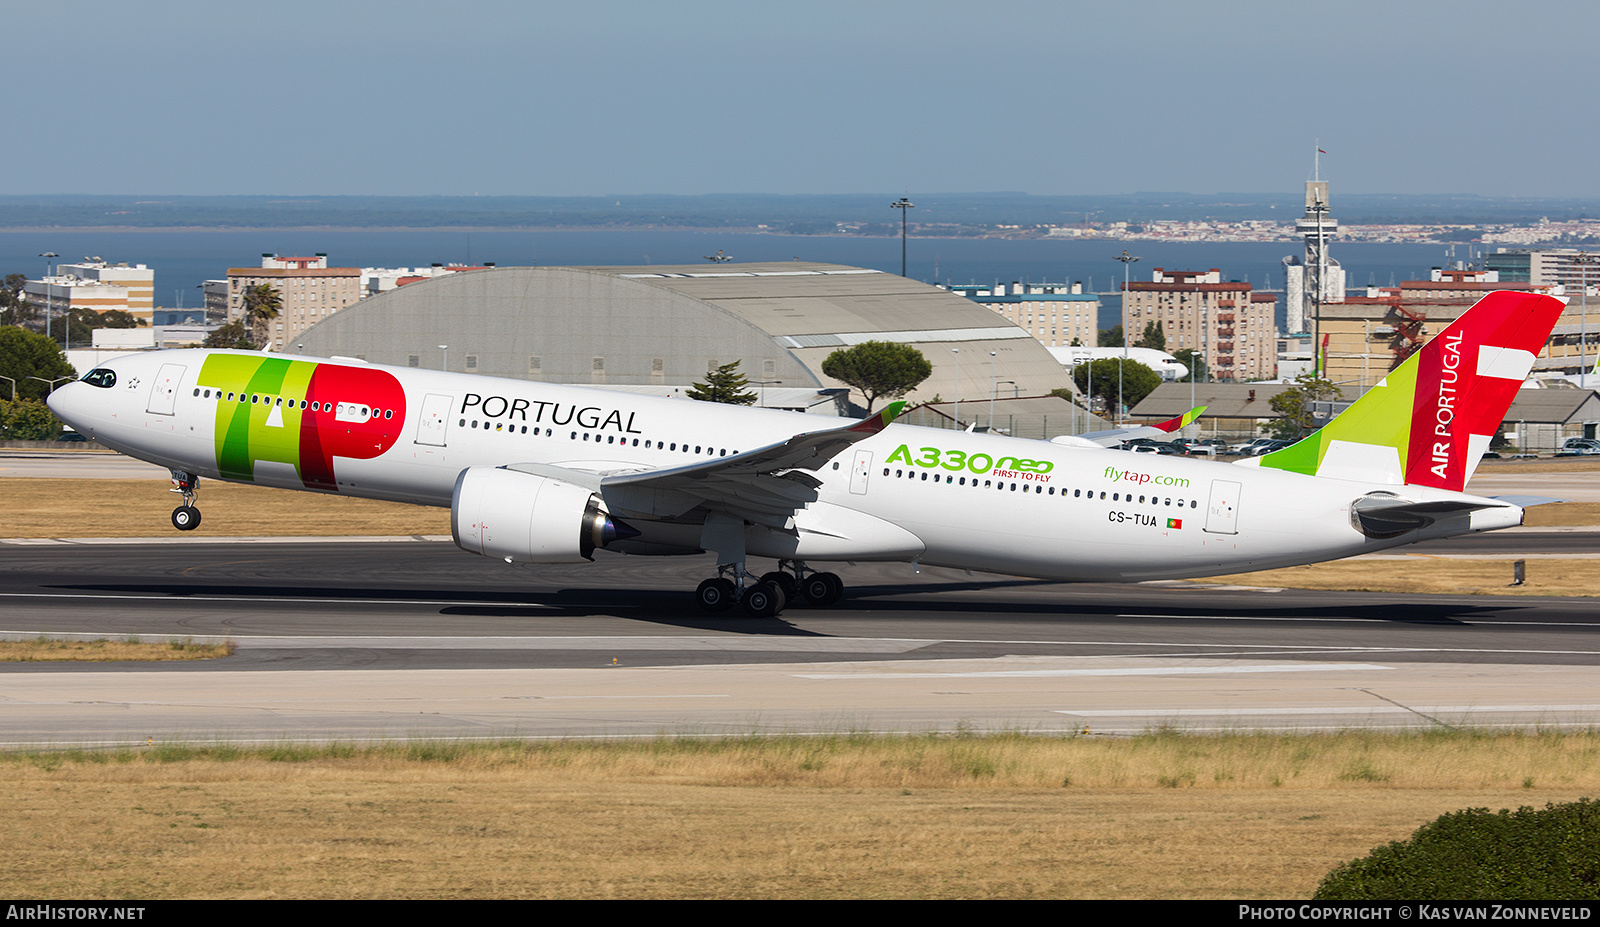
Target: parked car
(1249,448)
(1274,445)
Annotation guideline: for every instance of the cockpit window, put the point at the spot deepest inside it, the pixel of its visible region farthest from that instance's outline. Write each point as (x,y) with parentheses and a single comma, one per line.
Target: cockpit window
(101,377)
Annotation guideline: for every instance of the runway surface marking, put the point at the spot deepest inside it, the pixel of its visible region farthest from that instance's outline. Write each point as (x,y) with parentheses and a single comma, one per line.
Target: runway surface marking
(766,643)
(1375,709)
(1141,671)
(260,599)
(193,539)
(1458,622)
(999,694)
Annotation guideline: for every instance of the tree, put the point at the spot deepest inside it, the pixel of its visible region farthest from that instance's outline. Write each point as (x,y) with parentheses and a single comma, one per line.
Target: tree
(1294,404)
(1522,855)
(231,335)
(262,304)
(1195,361)
(118,318)
(1111,337)
(725,384)
(1137,380)
(28,420)
(879,369)
(1154,337)
(14,310)
(25,354)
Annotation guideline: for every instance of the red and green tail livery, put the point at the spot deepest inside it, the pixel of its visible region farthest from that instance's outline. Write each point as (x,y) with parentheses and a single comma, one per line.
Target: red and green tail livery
(1430,420)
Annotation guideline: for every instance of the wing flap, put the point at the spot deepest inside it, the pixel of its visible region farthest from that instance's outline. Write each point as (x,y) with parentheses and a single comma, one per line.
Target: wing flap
(764,486)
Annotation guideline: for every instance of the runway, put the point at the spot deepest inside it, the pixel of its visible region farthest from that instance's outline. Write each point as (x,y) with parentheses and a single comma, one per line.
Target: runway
(361,640)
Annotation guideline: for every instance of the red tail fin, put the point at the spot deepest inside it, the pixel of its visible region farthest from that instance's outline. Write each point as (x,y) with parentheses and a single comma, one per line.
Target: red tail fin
(1466,379)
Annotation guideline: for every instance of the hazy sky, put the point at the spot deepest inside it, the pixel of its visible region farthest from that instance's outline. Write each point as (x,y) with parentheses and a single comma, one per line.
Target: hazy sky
(821,96)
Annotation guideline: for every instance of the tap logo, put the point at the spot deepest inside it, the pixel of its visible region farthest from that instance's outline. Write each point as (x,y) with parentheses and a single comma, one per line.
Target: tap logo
(300,413)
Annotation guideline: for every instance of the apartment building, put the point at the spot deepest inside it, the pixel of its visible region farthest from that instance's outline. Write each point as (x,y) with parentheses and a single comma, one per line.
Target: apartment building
(1233,327)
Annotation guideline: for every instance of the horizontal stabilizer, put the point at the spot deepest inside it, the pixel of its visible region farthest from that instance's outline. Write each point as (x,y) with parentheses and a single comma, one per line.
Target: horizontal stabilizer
(1385,516)
(1527,502)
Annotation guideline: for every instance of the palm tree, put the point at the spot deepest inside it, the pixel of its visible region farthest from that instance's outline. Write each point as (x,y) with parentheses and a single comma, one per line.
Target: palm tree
(262,304)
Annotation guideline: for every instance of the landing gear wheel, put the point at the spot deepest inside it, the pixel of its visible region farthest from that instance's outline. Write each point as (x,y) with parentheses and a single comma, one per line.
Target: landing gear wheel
(764,600)
(823,589)
(186,518)
(791,589)
(714,595)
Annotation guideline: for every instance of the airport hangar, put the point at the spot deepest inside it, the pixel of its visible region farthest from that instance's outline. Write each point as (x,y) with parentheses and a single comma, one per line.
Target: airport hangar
(659,329)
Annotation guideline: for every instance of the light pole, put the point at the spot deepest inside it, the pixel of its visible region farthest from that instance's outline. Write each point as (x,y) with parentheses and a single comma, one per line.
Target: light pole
(957,413)
(1088,388)
(764,384)
(446,349)
(1583,259)
(48,257)
(903,204)
(51,383)
(1126,260)
(991,391)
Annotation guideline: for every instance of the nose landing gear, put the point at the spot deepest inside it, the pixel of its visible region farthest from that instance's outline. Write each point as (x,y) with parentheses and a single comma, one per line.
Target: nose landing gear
(185,517)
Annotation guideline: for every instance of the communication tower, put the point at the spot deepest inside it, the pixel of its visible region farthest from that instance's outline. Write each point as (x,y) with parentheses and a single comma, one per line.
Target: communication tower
(1316,278)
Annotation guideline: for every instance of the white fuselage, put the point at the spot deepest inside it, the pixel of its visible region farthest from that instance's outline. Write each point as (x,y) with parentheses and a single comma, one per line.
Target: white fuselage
(968,500)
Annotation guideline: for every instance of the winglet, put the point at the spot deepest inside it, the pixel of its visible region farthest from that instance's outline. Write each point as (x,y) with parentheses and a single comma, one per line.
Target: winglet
(1429,421)
(876,423)
(1173,424)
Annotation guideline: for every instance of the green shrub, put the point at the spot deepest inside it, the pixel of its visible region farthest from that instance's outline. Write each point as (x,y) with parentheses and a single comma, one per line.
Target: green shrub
(1525,854)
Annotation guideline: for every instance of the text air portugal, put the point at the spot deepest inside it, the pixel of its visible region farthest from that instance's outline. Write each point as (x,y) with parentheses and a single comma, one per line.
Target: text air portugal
(1465,379)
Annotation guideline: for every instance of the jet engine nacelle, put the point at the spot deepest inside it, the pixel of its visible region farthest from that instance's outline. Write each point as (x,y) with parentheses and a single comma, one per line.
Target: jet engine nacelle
(526,518)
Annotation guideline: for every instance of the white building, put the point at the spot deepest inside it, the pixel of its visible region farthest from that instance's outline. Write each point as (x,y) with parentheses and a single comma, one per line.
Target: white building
(375,280)
(97,285)
(1055,314)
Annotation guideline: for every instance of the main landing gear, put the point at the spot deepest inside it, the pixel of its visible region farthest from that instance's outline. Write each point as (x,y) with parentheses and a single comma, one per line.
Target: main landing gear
(793,583)
(185,517)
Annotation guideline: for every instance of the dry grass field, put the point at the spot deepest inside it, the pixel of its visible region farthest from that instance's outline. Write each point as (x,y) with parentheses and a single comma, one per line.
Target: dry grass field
(48,508)
(48,650)
(1161,816)
(1431,575)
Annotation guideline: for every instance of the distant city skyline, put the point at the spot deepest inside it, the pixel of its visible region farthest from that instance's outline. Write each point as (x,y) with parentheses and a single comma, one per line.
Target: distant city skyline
(711,96)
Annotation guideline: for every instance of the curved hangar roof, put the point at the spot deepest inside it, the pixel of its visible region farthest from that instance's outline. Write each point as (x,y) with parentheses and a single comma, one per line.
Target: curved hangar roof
(666,326)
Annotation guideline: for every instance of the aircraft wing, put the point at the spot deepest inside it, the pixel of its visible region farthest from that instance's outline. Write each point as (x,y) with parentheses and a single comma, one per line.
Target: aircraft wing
(764,486)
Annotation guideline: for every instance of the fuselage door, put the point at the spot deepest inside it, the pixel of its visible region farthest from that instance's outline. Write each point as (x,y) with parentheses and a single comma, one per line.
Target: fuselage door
(1222,512)
(164,391)
(859,471)
(435,420)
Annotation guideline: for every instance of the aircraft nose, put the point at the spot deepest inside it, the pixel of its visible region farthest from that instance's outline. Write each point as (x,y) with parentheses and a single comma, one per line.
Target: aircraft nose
(70,403)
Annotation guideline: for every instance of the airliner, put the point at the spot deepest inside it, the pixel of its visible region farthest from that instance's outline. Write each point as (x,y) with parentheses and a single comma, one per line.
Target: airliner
(1169,367)
(541,473)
